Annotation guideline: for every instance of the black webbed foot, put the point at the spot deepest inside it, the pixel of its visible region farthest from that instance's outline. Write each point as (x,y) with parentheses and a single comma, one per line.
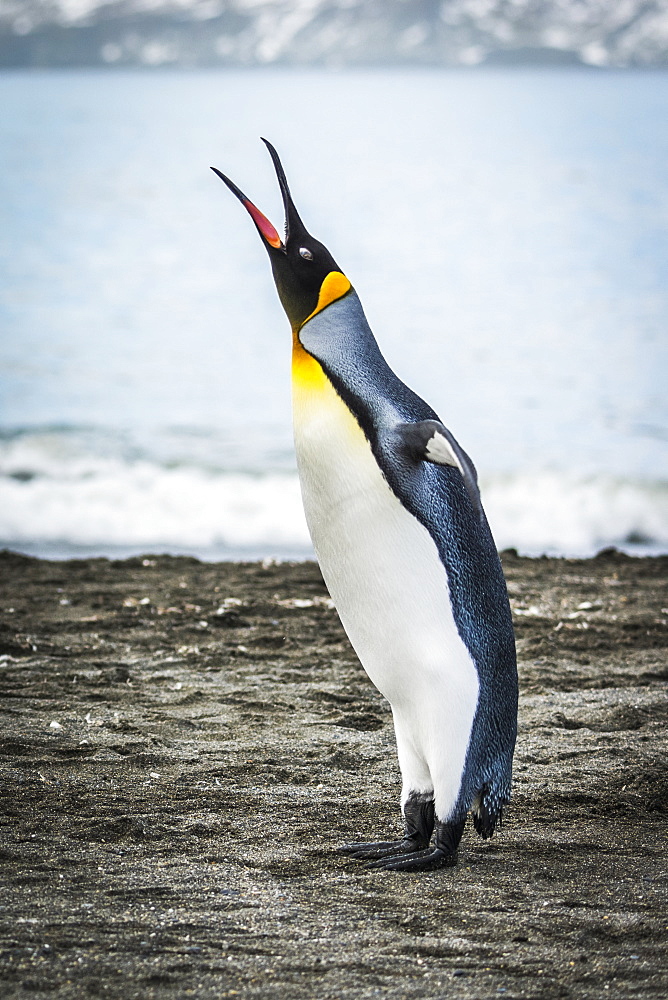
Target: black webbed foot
(419,817)
(380,849)
(371,845)
(419,861)
(443,853)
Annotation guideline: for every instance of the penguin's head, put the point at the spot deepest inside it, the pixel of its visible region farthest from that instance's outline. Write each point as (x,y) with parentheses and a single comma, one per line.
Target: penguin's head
(307,276)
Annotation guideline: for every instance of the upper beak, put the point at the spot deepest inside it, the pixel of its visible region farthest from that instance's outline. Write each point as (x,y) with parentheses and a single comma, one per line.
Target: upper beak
(292,221)
(268,233)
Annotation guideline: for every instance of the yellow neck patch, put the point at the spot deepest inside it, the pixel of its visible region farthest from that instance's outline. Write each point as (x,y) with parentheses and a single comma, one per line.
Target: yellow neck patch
(305,369)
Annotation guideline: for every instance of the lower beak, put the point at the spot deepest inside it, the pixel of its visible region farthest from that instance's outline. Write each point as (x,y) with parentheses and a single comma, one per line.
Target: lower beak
(262,223)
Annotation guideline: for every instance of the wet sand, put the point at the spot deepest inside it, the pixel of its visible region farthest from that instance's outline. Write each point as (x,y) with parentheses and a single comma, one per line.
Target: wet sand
(185,744)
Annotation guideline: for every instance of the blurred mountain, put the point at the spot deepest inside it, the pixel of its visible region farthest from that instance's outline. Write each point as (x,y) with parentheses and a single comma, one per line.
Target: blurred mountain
(615,33)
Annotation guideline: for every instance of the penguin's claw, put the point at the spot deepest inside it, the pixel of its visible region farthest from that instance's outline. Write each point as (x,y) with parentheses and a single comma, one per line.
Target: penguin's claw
(382,849)
(419,861)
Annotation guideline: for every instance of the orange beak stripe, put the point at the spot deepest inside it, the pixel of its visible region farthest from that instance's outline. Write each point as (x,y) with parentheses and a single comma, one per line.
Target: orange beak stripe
(263,224)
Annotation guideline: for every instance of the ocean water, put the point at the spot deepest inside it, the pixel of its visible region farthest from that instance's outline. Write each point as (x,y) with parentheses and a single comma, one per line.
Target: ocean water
(507,232)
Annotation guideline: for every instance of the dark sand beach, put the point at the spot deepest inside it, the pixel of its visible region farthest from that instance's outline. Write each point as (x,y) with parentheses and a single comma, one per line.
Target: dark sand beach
(185,744)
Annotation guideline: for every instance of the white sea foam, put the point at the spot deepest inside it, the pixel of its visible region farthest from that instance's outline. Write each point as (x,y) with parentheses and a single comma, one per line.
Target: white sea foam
(555,514)
(59,494)
(56,489)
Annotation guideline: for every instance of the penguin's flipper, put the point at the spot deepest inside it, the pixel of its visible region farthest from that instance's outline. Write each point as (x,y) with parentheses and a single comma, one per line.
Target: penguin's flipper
(431,441)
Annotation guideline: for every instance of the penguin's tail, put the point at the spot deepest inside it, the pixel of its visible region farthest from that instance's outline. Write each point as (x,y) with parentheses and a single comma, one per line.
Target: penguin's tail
(487,810)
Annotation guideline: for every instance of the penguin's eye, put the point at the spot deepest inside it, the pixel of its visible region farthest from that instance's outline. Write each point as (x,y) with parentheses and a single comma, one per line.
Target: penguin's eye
(305,253)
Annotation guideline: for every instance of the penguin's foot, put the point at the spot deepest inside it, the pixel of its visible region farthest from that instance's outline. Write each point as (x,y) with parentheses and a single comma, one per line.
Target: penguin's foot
(419,861)
(443,854)
(380,849)
(419,824)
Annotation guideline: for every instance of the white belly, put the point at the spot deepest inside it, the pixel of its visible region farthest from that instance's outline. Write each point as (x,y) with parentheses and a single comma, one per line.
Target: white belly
(390,588)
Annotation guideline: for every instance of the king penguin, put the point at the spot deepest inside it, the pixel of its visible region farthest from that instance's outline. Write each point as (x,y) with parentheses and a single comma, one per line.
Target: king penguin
(394,511)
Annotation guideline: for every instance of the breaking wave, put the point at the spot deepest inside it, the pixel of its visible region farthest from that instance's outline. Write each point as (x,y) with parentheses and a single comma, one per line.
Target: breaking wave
(61,498)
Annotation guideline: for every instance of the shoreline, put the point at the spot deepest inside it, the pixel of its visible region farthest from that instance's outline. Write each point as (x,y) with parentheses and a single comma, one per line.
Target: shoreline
(185,743)
(66,552)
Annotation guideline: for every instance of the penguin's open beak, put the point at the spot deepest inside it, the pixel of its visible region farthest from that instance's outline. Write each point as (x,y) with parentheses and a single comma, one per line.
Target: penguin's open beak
(262,223)
(293,224)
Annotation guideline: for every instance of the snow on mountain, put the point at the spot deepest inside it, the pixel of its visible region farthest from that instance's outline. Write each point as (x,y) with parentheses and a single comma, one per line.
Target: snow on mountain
(333,32)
